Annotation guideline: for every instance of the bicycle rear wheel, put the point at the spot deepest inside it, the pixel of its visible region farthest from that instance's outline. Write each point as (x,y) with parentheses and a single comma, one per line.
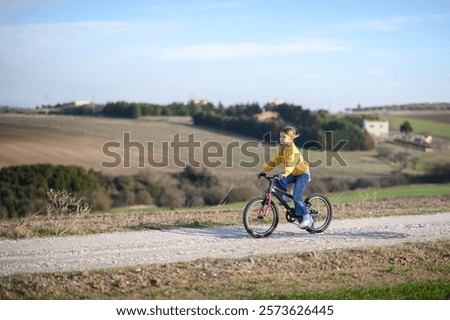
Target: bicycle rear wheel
(260,219)
(321,211)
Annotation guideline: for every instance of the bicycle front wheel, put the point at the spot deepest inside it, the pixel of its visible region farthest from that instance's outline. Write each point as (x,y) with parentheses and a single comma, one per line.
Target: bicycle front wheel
(260,219)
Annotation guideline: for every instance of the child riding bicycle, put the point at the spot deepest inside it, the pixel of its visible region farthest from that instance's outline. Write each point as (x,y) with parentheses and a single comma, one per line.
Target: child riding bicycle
(296,171)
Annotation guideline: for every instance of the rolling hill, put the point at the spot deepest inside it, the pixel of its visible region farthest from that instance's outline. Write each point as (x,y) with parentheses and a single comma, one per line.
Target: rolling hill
(89,141)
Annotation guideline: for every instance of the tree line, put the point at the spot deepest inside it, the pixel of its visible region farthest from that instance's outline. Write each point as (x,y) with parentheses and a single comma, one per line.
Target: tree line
(311,126)
(124,109)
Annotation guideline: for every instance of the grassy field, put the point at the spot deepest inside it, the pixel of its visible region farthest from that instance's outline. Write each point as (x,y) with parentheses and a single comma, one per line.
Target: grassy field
(420,126)
(418,190)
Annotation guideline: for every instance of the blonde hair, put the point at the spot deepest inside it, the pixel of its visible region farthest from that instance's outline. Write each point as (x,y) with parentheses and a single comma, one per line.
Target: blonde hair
(290,132)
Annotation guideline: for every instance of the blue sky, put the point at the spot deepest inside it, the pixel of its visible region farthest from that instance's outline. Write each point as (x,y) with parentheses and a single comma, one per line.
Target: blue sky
(318,54)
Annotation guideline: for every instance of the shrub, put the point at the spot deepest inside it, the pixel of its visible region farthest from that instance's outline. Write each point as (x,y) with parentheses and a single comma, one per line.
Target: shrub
(316,186)
(344,130)
(143,197)
(216,195)
(385,151)
(24,188)
(437,173)
(241,194)
(61,203)
(100,201)
(337,184)
(394,179)
(172,199)
(198,177)
(364,183)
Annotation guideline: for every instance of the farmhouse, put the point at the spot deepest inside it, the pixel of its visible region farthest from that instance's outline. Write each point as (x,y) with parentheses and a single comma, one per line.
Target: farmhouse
(80,103)
(199,102)
(267,115)
(376,128)
(423,143)
(277,102)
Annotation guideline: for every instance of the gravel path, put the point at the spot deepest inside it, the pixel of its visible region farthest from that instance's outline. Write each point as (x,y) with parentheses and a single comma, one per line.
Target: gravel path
(122,249)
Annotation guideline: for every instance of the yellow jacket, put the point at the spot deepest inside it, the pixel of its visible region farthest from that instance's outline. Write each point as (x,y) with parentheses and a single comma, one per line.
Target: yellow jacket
(292,159)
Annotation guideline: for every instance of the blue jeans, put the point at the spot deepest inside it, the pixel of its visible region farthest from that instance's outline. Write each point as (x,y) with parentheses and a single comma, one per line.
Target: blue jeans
(300,184)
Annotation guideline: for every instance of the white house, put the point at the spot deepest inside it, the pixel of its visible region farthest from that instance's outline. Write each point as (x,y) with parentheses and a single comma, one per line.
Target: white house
(80,103)
(277,102)
(199,102)
(376,128)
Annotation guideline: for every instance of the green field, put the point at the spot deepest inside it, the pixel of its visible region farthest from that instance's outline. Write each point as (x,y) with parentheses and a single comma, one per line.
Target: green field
(415,190)
(421,126)
(412,290)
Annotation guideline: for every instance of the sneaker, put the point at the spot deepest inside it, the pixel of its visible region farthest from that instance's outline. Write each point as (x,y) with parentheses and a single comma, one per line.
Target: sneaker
(307,221)
(287,199)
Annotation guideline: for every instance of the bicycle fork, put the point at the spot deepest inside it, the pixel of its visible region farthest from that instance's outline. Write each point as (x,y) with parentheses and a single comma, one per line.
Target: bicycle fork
(265,207)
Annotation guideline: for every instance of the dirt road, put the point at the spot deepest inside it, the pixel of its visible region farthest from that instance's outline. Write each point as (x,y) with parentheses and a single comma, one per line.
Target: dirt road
(100,251)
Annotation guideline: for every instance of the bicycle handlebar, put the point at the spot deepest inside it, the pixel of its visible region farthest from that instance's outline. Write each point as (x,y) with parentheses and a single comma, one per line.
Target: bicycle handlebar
(270,178)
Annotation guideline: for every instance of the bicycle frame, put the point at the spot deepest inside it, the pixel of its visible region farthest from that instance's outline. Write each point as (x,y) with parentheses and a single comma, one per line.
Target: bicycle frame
(278,193)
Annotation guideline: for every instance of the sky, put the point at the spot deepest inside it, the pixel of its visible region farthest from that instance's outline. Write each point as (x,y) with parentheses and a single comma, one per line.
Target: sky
(318,54)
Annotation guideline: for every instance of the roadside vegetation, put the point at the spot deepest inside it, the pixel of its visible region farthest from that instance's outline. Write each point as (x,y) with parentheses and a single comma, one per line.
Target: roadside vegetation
(144,218)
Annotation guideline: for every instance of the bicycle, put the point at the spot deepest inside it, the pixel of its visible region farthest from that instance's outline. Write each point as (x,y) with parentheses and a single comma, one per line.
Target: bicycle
(260,215)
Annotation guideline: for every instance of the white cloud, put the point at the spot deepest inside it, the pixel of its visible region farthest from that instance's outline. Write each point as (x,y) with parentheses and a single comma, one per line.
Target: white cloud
(247,50)
(10,5)
(82,36)
(378,73)
(139,39)
(385,53)
(44,35)
(388,24)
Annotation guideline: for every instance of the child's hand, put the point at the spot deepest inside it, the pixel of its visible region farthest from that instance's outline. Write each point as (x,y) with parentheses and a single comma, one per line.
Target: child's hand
(262,174)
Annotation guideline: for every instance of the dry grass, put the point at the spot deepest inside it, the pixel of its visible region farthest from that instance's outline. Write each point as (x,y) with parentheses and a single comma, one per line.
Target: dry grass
(35,225)
(67,140)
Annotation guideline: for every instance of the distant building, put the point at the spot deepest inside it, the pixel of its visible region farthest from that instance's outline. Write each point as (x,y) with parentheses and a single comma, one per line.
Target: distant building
(424,143)
(376,128)
(277,102)
(80,103)
(200,102)
(268,115)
